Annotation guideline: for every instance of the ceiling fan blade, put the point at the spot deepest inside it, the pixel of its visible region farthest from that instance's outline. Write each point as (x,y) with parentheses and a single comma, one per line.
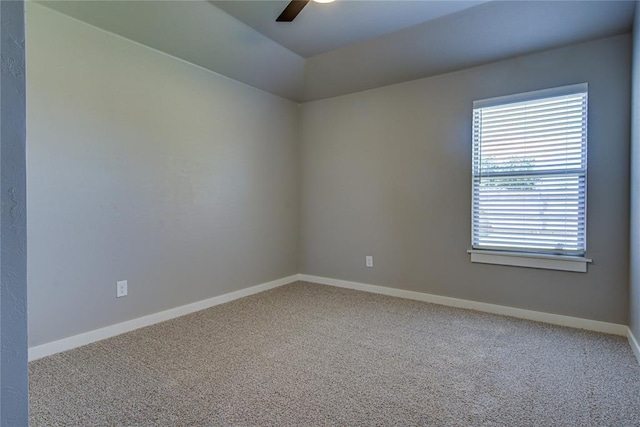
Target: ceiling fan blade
(292,10)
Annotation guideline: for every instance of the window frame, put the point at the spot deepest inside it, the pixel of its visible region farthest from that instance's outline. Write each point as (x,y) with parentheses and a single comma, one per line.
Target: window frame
(526,257)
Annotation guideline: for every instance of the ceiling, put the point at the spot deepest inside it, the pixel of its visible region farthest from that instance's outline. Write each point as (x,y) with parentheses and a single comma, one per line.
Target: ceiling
(320,28)
(350,45)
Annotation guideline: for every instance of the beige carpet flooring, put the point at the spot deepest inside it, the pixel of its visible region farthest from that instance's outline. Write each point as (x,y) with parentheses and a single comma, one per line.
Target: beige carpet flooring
(312,355)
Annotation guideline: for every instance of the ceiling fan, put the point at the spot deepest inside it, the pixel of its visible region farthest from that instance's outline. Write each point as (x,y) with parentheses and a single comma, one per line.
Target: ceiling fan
(293,9)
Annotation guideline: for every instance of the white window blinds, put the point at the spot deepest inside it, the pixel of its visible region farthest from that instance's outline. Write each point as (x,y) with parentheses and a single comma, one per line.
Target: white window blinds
(530,171)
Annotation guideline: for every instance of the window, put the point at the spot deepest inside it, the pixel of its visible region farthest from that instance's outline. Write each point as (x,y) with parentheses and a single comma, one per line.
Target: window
(530,178)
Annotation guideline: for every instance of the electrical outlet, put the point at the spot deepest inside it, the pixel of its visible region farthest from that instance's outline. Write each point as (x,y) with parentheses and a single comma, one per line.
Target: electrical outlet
(369,260)
(121,289)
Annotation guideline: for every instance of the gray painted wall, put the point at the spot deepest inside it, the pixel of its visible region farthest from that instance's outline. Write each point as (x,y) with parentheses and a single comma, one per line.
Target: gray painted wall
(13,221)
(634,307)
(387,172)
(146,168)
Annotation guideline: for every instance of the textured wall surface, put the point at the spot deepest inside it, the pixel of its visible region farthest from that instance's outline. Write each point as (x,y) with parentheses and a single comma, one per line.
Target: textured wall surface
(146,168)
(634,310)
(13,232)
(387,172)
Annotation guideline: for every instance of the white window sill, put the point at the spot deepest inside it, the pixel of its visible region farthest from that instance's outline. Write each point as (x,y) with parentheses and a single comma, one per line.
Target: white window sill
(518,259)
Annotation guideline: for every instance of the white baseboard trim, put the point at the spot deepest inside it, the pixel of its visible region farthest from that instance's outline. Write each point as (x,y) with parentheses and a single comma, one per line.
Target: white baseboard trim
(64,344)
(69,343)
(633,342)
(538,316)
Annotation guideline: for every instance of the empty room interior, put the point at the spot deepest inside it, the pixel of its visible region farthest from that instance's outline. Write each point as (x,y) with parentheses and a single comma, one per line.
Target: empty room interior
(352,213)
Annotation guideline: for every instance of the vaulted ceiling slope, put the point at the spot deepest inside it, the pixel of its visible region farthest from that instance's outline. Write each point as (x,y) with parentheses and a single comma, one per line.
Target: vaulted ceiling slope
(374,53)
(482,34)
(198,32)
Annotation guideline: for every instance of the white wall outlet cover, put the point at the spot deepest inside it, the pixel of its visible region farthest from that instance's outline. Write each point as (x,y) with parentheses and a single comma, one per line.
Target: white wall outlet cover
(121,288)
(369,261)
